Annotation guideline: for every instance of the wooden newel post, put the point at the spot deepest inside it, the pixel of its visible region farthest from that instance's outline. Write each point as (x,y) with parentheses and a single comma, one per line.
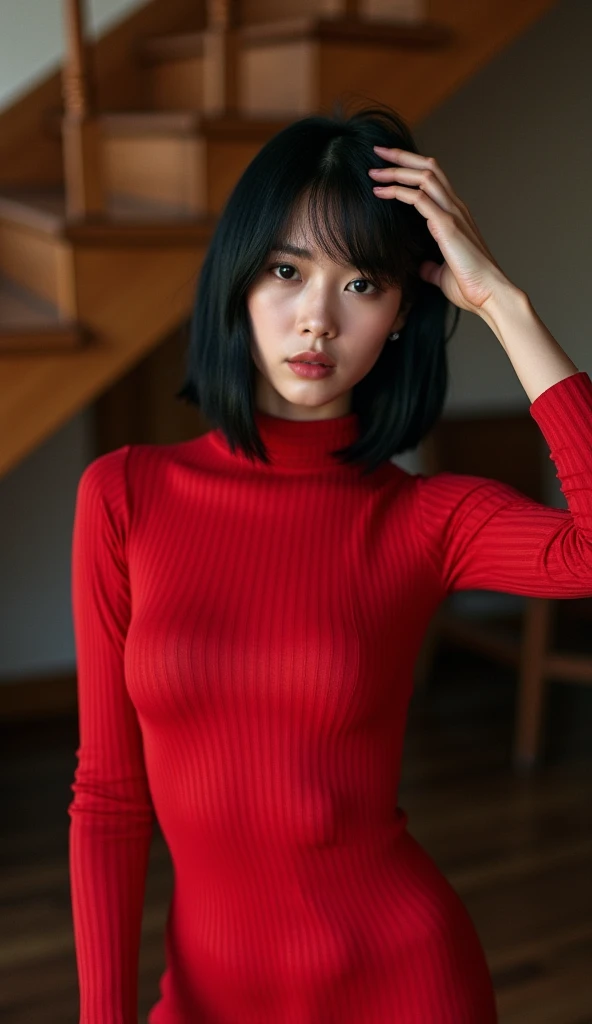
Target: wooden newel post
(220,67)
(80,125)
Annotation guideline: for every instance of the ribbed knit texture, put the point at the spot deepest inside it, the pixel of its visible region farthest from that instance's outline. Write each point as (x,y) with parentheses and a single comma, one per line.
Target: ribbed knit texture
(246,637)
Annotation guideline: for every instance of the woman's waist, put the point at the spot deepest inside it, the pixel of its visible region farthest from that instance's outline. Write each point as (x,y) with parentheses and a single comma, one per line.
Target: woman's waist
(370,898)
(235,861)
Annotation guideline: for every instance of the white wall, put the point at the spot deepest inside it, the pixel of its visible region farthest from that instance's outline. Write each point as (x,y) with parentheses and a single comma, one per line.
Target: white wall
(515,143)
(32,38)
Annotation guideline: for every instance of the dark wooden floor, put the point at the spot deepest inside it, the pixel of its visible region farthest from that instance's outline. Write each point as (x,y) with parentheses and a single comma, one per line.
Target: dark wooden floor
(517,850)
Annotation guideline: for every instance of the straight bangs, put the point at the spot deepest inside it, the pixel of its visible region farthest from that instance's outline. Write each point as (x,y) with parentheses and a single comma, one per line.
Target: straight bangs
(353,226)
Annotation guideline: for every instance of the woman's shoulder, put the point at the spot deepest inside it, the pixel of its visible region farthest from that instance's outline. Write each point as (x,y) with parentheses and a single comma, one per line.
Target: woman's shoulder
(140,467)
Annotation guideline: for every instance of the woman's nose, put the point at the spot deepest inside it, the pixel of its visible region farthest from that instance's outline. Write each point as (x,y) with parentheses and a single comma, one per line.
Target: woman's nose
(317,320)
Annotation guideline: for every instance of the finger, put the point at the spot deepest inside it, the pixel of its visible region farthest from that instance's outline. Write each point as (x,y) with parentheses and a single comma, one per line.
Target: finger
(431,186)
(414,161)
(426,180)
(422,202)
(419,162)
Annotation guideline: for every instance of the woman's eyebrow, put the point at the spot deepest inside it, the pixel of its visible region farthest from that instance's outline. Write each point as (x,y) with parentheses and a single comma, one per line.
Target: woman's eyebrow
(287,249)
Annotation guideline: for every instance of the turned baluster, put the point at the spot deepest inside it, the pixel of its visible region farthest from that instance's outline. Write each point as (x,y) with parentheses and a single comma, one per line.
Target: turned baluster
(351,8)
(220,71)
(80,124)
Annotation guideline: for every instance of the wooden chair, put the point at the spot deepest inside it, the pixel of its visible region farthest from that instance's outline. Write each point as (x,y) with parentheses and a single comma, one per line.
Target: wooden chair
(510,449)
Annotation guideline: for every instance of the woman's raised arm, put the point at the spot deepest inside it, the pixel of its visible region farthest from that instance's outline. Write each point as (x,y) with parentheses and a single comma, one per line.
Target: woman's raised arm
(485,535)
(482,534)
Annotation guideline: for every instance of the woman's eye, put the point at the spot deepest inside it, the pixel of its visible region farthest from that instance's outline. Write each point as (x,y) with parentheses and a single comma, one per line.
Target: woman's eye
(363,281)
(284,266)
(359,281)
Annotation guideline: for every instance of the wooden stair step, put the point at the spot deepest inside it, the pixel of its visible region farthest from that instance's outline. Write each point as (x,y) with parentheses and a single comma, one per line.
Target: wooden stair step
(423,35)
(127,220)
(183,69)
(29,324)
(182,46)
(175,46)
(181,157)
(135,220)
(227,128)
(41,210)
(181,123)
(184,158)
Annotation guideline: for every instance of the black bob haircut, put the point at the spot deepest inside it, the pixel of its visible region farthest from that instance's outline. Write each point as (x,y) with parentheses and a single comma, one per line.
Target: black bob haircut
(326,159)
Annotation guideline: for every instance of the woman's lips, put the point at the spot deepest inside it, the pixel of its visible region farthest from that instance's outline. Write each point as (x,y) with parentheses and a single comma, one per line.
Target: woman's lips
(314,371)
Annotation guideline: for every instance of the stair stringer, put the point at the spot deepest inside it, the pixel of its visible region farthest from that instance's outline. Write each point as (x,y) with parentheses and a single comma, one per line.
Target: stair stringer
(130,298)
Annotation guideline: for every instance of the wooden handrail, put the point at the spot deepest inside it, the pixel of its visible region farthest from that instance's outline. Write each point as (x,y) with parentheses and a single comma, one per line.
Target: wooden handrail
(85,196)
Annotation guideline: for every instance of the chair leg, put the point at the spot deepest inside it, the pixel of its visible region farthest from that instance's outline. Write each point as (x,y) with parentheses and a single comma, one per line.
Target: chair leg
(532,684)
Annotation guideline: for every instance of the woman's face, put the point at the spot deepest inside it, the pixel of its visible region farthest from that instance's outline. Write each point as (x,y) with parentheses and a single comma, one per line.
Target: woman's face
(304,302)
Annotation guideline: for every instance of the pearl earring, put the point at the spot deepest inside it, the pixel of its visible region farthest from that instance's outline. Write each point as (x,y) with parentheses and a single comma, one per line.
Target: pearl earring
(393,336)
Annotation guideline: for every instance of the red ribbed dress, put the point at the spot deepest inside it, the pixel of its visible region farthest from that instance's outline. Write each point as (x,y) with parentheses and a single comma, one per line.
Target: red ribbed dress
(246,637)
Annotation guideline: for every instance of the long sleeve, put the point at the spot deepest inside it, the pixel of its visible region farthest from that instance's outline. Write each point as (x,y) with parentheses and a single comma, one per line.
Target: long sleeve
(485,535)
(111,813)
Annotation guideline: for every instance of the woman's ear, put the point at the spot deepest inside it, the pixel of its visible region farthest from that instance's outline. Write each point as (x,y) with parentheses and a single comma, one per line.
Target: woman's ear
(401,316)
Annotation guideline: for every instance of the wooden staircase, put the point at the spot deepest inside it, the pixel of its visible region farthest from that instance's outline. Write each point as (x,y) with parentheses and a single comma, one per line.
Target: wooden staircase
(100,251)
(31,324)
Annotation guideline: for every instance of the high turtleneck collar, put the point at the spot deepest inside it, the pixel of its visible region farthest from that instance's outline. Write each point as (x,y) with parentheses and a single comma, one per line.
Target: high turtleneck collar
(298,444)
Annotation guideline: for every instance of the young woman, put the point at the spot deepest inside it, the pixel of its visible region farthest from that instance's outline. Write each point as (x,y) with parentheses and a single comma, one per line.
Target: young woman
(249,604)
